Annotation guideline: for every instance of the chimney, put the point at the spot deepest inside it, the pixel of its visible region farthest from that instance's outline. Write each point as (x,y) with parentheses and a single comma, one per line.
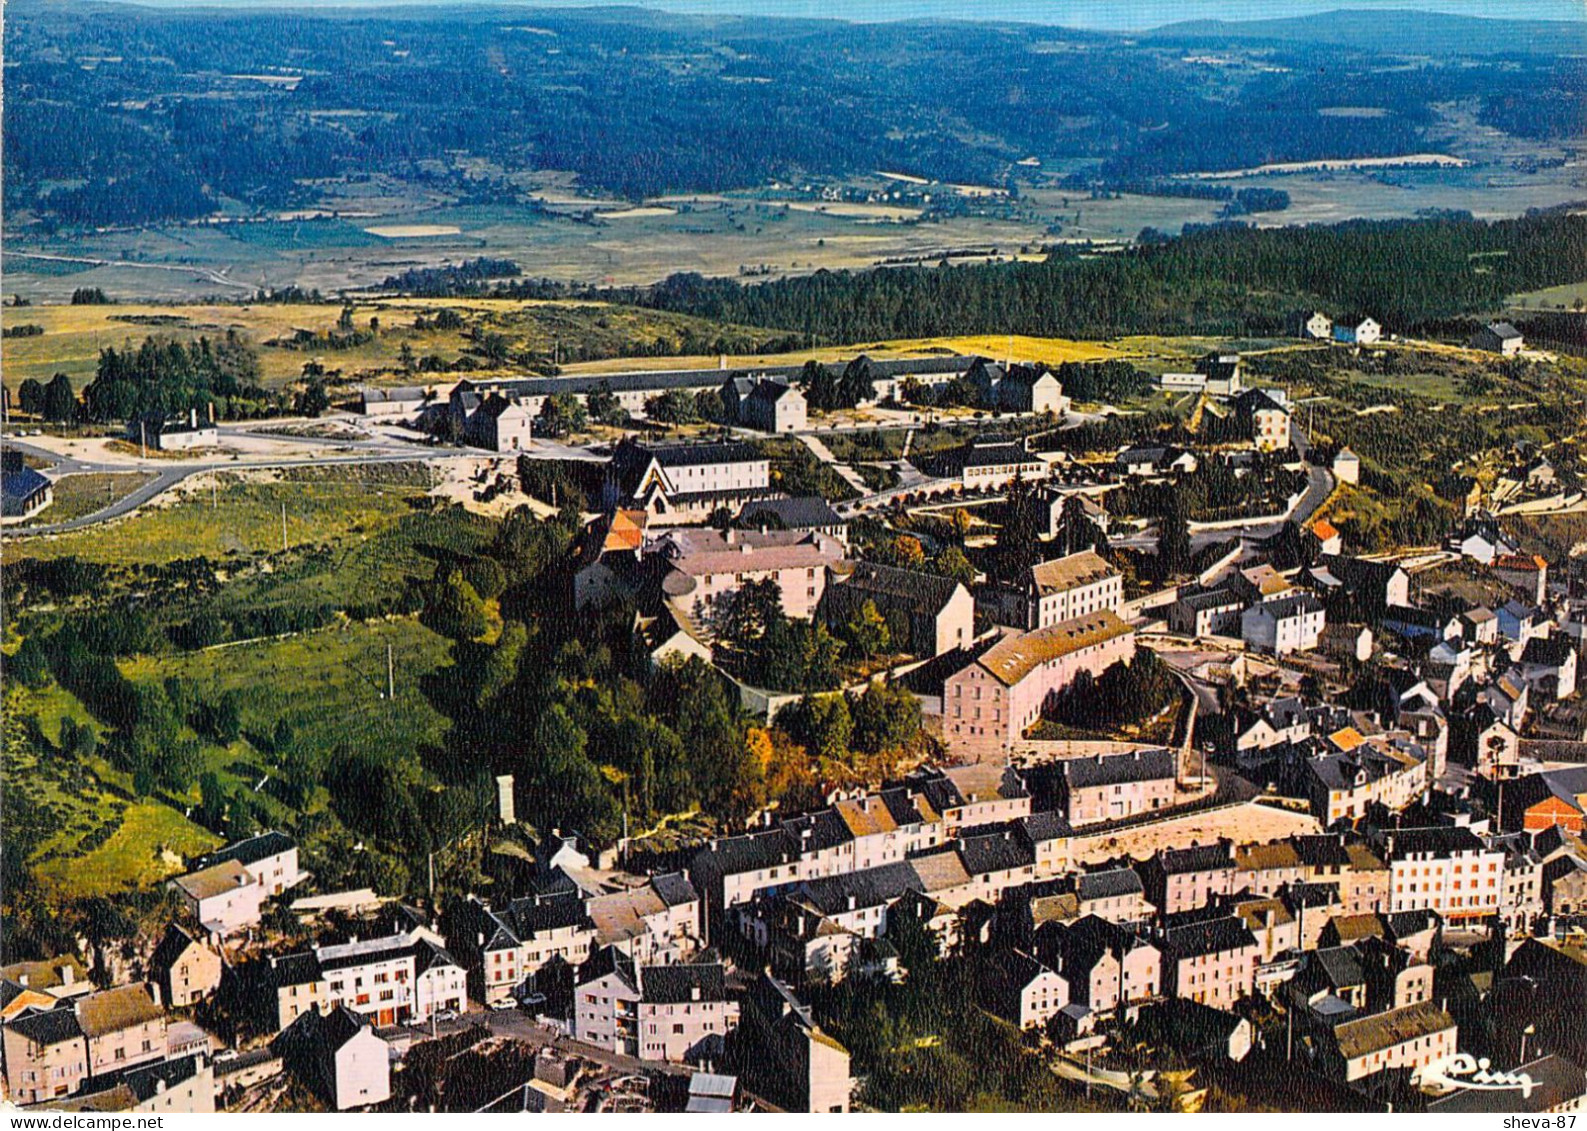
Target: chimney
(159,1085)
(853,902)
(22,979)
(192,417)
(68,974)
(694,993)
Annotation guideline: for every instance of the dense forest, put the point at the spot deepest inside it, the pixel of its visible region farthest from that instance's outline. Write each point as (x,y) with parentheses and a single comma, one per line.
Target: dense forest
(121,115)
(1220,279)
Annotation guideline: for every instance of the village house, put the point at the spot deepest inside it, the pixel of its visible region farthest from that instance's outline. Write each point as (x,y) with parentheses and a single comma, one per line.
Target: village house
(499,949)
(989,463)
(223,897)
(1106,967)
(338,1056)
(1210,961)
(271,859)
(662,1013)
(185,969)
(1155,461)
(703,566)
(392,979)
(1184,879)
(1548,664)
(183,1085)
(1480,539)
(123,1026)
(1446,869)
(1350,643)
(1021,990)
(1059,590)
(1347,467)
(23,491)
(1002,693)
(1499,337)
(58,978)
(45,1055)
(1369,586)
(808,514)
(679,483)
(1407,1038)
(769,404)
(1527,573)
(1344,784)
(926,615)
(798,1066)
(1364,332)
(174,434)
(404,401)
(1262,420)
(1290,624)
(1109,787)
(1313,325)
(1206,612)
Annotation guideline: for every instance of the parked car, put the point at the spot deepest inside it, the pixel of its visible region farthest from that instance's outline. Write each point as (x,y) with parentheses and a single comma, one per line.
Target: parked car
(504,1003)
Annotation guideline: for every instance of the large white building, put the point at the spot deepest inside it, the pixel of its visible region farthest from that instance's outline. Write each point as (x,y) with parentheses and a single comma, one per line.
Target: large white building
(1290,624)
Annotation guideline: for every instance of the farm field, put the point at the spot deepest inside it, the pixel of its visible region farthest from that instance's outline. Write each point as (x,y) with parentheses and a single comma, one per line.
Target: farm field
(74,335)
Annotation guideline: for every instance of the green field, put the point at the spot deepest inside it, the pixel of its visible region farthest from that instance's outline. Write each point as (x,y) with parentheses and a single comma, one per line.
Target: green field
(85,493)
(329,686)
(242,518)
(133,843)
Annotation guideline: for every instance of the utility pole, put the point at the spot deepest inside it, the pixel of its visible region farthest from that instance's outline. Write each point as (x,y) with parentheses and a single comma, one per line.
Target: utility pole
(391,675)
(431,859)
(143,439)
(283,528)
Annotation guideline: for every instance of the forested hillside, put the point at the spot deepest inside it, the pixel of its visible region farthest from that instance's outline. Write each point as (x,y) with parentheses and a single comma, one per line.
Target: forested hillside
(121,115)
(1235,280)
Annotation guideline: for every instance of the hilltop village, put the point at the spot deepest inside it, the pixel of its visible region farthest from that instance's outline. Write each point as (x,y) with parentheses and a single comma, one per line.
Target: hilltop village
(1211,812)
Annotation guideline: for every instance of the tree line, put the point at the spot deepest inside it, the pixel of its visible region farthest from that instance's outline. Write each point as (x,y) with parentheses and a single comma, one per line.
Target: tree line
(1222,279)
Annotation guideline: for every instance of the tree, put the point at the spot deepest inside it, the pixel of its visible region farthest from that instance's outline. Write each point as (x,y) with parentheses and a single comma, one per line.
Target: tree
(344,320)
(560,415)
(313,400)
(675,406)
(405,357)
(821,724)
(742,617)
(30,397)
(60,402)
(951,562)
(866,631)
(857,385)
(453,608)
(603,406)
(493,346)
(820,387)
(1173,542)
(1019,539)
(886,717)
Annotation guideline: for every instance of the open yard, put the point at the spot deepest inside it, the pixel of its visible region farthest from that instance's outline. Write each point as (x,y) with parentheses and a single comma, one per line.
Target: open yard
(1244,824)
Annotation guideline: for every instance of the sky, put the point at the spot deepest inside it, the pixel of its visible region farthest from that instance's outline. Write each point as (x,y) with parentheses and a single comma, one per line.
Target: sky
(1114,15)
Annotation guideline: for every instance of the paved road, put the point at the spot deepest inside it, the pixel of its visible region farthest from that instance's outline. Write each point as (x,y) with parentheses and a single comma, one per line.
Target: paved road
(1319,485)
(169,477)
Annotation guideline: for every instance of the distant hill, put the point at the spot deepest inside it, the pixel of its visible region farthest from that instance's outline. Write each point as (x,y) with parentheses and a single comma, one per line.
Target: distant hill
(1393,32)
